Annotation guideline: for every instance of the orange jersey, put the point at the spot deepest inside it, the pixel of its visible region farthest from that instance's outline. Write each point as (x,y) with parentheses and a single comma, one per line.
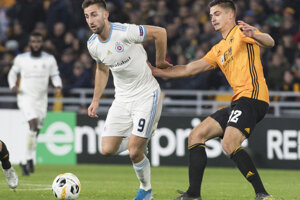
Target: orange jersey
(238,56)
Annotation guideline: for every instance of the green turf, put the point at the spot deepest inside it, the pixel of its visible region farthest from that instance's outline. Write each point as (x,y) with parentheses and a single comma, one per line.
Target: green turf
(118,182)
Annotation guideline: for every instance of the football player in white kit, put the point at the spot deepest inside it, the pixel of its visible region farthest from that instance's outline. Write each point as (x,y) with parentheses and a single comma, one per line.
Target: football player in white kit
(135,112)
(35,68)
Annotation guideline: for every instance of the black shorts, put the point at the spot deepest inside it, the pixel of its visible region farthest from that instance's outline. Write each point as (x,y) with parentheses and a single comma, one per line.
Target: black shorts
(242,114)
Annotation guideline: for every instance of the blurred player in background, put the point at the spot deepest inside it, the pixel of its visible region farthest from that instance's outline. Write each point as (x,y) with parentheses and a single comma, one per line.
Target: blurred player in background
(9,171)
(35,68)
(136,109)
(238,56)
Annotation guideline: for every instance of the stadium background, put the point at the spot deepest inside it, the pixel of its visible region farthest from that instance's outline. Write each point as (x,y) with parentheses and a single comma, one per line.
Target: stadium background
(70,137)
(276,143)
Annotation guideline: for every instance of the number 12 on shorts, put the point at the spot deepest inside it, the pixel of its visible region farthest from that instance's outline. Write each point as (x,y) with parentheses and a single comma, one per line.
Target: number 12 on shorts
(141,125)
(234,116)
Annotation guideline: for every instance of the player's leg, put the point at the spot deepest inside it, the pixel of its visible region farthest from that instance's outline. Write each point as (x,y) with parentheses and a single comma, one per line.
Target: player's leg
(146,114)
(245,114)
(31,143)
(117,129)
(206,130)
(110,145)
(9,171)
(140,161)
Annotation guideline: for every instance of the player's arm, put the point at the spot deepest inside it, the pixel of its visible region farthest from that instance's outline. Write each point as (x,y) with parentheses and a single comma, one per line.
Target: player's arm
(101,77)
(178,71)
(159,35)
(13,77)
(262,39)
(55,78)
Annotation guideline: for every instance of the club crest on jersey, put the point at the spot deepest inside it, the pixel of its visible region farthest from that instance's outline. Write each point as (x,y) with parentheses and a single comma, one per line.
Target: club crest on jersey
(119,47)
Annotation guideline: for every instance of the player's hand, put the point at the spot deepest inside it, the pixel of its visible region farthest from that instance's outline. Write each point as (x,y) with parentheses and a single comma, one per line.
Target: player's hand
(155,70)
(57,90)
(246,29)
(92,109)
(15,89)
(163,65)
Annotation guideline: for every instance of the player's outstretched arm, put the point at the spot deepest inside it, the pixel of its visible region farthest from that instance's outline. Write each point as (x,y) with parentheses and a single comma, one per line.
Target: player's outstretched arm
(158,34)
(262,39)
(101,77)
(178,71)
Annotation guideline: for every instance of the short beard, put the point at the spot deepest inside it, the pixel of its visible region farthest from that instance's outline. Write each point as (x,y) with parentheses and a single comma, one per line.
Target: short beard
(36,53)
(100,29)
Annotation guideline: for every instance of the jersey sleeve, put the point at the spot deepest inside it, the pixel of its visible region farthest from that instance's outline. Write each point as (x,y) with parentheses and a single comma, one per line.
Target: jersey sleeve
(13,73)
(53,67)
(211,58)
(54,73)
(135,33)
(248,39)
(92,54)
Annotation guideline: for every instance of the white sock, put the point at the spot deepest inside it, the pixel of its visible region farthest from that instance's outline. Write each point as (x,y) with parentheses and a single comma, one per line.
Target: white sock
(123,146)
(142,170)
(31,144)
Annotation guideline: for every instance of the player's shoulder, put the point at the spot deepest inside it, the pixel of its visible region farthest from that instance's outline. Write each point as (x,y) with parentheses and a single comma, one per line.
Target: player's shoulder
(120,27)
(23,55)
(92,39)
(48,55)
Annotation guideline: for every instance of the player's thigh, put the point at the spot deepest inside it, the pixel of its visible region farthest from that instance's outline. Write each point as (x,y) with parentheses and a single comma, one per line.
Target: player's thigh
(28,108)
(206,130)
(145,115)
(118,122)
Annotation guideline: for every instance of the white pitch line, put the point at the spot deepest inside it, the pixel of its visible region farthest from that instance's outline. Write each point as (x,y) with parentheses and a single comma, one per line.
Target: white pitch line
(32,184)
(33,189)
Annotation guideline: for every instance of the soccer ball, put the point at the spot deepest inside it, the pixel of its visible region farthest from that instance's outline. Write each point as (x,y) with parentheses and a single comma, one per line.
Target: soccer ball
(66,186)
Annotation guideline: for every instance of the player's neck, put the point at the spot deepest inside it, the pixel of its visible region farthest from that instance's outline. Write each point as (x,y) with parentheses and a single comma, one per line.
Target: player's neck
(36,54)
(104,35)
(226,30)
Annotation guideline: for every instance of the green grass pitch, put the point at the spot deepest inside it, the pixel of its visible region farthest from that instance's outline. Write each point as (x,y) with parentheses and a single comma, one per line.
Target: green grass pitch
(118,182)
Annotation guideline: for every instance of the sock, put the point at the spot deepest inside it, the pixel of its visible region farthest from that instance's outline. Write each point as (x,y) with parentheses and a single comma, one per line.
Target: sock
(197,163)
(246,166)
(142,170)
(31,145)
(123,146)
(4,157)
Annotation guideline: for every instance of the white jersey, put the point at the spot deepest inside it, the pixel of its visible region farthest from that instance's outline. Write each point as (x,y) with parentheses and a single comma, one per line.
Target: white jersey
(126,58)
(35,73)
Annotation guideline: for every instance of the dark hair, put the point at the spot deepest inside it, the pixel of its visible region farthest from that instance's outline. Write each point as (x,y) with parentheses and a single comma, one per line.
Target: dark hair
(100,3)
(36,34)
(223,3)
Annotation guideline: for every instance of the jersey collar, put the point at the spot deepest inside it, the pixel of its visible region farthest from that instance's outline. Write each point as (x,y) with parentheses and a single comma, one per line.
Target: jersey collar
(231,31)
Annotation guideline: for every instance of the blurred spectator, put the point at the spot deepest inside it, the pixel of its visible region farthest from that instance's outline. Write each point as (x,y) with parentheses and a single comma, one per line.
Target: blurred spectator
(19,36)
(27,13)
(290,83)
(58,37)
(80,78)
(277,68)
(4,69)
(296,67)
(66,66)
(58,12)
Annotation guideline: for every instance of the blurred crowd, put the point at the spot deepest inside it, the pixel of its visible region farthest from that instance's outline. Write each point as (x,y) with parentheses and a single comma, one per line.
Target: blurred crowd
(190,36)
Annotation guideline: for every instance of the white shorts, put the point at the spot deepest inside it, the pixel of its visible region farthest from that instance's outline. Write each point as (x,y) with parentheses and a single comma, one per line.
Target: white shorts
(138,117)
(33,109)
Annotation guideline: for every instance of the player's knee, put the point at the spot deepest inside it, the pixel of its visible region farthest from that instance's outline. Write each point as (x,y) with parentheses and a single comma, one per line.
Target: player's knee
(107,152)
(135,155)
(197,137)
(227,147)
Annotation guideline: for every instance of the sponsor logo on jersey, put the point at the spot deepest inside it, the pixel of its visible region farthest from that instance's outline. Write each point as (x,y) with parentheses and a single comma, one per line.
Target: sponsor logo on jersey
(141,31)
(119,47)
